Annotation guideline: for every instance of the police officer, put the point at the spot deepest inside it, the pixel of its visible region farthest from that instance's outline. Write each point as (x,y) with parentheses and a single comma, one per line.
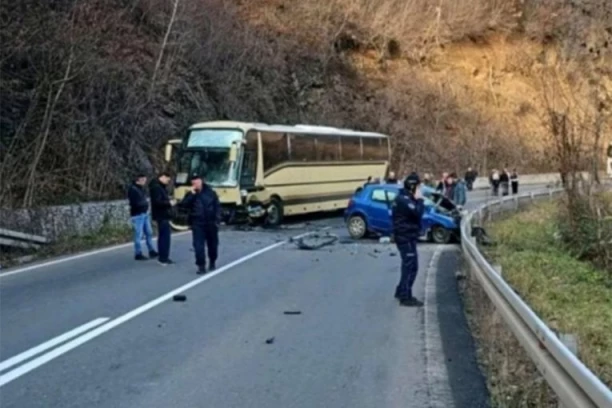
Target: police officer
(204,218)
(407,211)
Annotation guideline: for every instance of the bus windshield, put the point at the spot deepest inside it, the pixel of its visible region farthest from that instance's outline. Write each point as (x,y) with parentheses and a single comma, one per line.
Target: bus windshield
(207,154)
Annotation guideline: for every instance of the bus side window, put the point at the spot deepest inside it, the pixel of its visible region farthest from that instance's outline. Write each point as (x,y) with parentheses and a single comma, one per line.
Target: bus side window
(303,148)
(328,148)
(351,148)
(275,149)
(371,148)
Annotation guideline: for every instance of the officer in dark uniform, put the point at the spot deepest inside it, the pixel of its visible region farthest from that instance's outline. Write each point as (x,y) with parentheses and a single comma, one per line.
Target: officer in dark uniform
(407,211)
(204,218)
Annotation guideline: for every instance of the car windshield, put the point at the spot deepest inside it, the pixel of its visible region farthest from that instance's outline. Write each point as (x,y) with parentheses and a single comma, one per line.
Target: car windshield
(208,155)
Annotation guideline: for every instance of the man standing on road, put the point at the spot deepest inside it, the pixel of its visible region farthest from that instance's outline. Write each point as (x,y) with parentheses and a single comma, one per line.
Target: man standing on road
(441,187)
(504,180)
(407,211)
(494,181)
(459,191)
(204,218)
(391,179)
(470,177)
(161,206)
(514,181)
(139,207)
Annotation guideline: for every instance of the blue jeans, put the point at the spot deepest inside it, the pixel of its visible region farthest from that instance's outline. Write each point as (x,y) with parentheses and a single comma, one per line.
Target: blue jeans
(410,268)
(164,234)
(142,225)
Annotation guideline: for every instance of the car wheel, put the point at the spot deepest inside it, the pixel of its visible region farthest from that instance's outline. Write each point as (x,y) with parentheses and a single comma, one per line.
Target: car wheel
(274,217)
(440,235)
(357,227)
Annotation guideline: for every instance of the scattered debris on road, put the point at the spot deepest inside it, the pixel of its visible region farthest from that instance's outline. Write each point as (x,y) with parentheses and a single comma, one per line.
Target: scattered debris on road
(179,298)
(292,312)
(384,240)
(315,241)
(270,340)
(392,253)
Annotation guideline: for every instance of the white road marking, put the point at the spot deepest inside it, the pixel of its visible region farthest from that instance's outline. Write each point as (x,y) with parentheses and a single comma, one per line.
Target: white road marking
(63,349)
(73,257)
(51,343)
(438,384)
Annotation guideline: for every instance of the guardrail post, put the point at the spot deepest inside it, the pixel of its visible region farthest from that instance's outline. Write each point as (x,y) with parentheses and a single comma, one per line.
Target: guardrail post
(498,269)
(516,203)
(570,341)
(532,195)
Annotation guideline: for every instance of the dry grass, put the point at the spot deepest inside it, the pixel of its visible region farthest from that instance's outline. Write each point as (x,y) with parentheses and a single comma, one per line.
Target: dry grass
(107,235)
(512,378)
(570,295)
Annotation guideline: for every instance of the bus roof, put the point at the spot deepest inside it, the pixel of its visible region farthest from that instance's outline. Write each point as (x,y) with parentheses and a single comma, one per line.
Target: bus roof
(320,130)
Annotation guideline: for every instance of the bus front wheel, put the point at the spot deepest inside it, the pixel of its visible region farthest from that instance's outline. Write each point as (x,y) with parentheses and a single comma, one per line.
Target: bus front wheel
(274,216)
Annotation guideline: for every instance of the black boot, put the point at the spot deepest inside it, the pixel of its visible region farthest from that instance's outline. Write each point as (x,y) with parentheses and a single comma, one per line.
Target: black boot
(411,302)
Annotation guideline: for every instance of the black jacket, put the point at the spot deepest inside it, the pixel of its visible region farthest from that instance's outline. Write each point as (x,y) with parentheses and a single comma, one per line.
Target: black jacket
(407,214)
(471,176)
(137,197)
(204,207)
(160,201)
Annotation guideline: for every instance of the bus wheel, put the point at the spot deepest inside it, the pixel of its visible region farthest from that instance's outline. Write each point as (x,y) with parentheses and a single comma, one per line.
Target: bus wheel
(274,217)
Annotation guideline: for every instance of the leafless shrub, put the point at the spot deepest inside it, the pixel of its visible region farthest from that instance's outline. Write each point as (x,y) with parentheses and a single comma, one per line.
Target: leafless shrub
(91,90)
(585,222)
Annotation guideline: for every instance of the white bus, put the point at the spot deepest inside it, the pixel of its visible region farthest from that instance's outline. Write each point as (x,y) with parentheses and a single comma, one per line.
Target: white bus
(266,172)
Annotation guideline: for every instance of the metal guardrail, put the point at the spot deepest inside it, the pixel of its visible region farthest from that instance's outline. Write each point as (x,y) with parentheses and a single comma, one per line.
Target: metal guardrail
(574,384)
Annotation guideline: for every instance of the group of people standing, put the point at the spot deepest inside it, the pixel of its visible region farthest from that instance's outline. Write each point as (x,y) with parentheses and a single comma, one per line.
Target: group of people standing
(505,180)
(450,185)
(204,215)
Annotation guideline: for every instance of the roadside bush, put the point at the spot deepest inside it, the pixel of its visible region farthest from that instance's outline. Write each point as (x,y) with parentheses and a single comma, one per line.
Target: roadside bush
(585,226)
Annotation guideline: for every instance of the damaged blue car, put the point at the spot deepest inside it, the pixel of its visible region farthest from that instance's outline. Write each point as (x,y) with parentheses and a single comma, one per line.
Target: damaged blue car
(369,213)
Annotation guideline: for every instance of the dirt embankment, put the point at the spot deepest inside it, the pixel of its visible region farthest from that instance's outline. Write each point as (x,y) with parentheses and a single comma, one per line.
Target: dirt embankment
(92,90)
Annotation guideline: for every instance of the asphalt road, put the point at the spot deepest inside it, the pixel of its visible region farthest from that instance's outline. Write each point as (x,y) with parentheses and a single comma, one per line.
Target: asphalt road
(123,341)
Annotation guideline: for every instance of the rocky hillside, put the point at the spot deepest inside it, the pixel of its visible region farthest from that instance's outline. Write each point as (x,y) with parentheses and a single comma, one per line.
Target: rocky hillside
(92,90)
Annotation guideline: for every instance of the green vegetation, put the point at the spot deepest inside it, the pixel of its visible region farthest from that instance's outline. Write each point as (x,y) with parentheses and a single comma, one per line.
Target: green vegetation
(572,295)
